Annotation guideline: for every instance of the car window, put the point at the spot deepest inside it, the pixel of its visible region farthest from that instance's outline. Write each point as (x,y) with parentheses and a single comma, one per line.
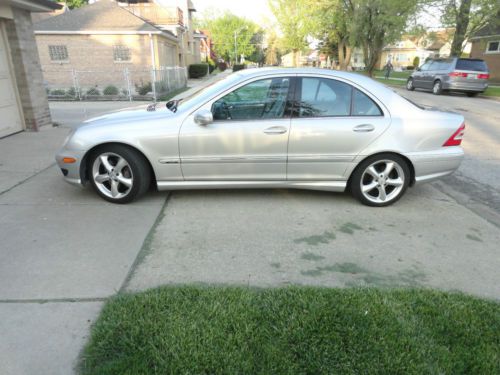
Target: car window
(471,64)
(261,99)
(320,97)
(434,65)
(362,105)
(426,66)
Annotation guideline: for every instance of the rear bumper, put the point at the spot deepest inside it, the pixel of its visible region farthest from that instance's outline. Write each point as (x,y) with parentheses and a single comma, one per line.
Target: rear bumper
(432,165)
(465,86)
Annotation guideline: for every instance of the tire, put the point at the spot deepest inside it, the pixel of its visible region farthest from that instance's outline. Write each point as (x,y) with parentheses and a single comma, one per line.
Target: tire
(373,172)
(409,84)
(118,173)
(471,94)
(437,88)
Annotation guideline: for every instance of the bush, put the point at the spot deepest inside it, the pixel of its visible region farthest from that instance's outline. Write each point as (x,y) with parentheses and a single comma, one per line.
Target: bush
(110,90)
(198,70)
(58,92)
(211,65)
(410,67)
(93,91)
(222,66)
(237,67)
(416,62)
(71,92)
(144,88)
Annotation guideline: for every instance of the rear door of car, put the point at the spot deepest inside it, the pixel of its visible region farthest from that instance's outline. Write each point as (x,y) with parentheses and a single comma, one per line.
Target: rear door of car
(332,122)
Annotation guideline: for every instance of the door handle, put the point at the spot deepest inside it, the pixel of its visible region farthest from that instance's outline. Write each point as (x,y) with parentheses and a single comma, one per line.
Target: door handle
(364,128)
(275,130)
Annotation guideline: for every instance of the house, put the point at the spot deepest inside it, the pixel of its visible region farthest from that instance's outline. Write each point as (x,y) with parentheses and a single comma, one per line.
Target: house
(126,46)
(23,103)
(486,46)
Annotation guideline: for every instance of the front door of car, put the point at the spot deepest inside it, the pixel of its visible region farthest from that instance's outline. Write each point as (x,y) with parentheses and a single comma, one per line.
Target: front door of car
(247,139)
(332,123)
(419,75)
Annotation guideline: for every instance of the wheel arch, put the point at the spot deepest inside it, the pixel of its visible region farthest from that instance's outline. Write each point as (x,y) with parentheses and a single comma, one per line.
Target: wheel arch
(406,159)
(84,177)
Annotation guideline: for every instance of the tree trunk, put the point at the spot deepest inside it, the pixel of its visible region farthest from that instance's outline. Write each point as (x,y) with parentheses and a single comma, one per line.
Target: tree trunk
(462,22)
(295,56)
(341,55)
(344,54)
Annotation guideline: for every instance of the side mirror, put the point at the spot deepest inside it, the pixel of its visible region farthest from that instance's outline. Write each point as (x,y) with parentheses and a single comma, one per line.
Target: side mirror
(418,69)
(203,117)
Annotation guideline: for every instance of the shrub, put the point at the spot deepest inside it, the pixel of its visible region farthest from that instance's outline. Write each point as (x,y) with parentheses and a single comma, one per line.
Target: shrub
(144,88)
(410,67)
(222,66)
(211,65)
(416,62)
(237,67)
(58,92)
(124,92)
(71,92)
(110,90)
(93,91)
(198,70)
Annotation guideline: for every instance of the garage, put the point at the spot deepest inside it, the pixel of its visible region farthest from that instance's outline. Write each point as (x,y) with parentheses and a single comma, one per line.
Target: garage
(10,113)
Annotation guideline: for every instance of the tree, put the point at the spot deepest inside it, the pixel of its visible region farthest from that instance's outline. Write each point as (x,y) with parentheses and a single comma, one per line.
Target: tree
(292,17)
(378,23)
(467,17)
(71,4)
(231,35)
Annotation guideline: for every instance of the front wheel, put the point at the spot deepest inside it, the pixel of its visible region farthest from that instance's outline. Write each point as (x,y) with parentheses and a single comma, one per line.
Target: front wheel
(409,84)
(380,180)
(118,173)
(437,89)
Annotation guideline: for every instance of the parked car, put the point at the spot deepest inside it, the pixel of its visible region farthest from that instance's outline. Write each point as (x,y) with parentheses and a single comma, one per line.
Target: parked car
(269,128)
(469,76)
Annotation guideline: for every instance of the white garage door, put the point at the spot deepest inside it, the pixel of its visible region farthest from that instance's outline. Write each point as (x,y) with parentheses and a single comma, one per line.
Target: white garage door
(10,118)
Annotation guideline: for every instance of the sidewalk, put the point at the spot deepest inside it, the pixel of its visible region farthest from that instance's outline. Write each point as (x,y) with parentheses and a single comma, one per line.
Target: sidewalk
(63,251)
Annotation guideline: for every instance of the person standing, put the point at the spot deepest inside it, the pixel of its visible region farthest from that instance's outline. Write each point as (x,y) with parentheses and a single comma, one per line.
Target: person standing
(388,67)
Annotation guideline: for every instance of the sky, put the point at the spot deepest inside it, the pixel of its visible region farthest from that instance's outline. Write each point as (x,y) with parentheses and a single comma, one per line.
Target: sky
(255,10)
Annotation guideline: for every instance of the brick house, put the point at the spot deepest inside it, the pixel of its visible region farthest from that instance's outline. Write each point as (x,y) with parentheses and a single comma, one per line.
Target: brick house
(23,103)
(486,46)
(108,43)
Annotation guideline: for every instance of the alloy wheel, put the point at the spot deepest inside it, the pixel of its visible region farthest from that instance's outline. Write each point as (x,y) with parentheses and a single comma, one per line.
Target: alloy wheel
(382,181)
(112,175)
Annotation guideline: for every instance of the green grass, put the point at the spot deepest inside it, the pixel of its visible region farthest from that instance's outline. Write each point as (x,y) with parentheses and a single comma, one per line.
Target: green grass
(297,330)
(492,91)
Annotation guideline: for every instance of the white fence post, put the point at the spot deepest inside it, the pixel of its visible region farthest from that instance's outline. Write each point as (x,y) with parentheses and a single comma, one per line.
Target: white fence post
(153,85)
(127,79)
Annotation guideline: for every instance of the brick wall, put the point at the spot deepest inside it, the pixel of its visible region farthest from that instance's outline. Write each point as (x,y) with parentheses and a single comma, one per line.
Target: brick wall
(478,51)
(91,58)
(27,70)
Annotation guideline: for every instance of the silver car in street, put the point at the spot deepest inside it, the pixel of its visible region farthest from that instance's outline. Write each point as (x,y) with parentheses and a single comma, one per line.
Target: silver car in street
(469,76)
(269,128)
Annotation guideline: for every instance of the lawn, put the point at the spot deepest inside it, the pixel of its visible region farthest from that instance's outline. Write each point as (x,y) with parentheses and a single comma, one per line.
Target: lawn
(296,330)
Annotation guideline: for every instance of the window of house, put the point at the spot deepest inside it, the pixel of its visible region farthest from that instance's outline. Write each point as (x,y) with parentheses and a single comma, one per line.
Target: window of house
(121,53)
(58,53)
(493,47)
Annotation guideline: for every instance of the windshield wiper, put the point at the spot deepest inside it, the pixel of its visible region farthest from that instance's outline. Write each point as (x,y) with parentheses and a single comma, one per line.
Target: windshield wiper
(172,104)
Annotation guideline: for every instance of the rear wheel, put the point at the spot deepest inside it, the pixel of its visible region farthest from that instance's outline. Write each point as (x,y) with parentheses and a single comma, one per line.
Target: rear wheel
(380,180)
(409,84)
(437,89)
(118,173)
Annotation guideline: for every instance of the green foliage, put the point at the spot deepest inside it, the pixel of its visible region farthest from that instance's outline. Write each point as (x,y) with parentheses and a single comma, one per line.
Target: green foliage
(295,330)
(211,65)
(225,29)
(58,92)
(237,67)
(93,91)
(198,70)
(71,92)
(110,90)
(143,88)
(416,61)
(72,4)
(222,66)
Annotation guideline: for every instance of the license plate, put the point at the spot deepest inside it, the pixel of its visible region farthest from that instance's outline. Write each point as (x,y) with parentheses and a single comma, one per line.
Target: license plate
(472,76)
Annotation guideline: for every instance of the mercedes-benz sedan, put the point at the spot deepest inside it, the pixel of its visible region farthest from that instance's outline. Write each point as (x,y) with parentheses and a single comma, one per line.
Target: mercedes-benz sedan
(269,128)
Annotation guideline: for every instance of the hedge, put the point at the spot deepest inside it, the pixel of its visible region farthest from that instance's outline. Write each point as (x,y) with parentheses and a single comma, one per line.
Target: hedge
(237,67)
(198,70)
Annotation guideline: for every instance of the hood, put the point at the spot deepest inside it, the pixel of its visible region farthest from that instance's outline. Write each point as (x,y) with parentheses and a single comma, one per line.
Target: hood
(130,114)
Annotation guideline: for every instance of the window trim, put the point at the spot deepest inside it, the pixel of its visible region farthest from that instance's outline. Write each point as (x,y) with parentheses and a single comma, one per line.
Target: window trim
(290,95)
(488,46)
(62,61)
(298,95)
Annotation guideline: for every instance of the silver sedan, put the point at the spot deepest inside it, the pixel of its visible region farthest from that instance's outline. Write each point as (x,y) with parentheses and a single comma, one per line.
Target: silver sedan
(269,128)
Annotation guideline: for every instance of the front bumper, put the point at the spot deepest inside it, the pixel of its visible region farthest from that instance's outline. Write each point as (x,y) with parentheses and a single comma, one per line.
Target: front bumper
(70,171)
(432,165)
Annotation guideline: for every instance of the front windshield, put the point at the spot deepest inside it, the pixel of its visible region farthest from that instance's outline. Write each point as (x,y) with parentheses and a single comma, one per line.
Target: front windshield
(211,89)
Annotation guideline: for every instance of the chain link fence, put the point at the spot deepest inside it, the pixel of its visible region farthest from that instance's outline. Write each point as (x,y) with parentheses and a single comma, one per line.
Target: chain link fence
(117,84)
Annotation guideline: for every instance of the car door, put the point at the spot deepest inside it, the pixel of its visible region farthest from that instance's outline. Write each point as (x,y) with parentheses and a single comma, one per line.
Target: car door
(248,137)
(419,75)
(332,123)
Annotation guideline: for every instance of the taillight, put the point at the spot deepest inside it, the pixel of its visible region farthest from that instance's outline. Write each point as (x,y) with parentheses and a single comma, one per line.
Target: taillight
(458,74)
(483,76)
(456,138)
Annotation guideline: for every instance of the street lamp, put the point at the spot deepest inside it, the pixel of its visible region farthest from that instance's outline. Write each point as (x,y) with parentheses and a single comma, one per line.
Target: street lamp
(235,44)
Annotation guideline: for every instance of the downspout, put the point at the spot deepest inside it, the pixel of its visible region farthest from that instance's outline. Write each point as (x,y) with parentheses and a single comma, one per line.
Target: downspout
(153,66)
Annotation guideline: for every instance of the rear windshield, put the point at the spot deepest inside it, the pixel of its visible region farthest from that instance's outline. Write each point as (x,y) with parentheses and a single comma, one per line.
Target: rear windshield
(475,65)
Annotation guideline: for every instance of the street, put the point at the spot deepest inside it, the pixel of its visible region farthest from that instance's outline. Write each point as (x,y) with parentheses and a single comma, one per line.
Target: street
(65,251)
